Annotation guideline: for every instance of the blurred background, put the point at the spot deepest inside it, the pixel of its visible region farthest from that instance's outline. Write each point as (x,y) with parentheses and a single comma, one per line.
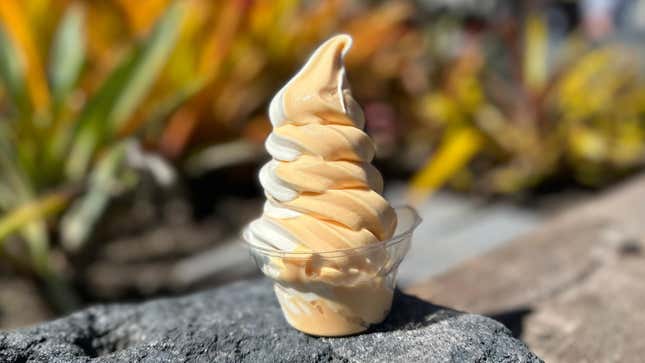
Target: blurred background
(131,132)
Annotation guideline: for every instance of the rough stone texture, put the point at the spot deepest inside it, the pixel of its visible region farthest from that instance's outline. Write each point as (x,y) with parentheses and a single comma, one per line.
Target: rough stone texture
(572,289)
(242,323)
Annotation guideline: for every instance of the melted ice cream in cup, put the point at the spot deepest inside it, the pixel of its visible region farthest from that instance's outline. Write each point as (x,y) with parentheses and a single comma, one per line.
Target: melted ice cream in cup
(327,237)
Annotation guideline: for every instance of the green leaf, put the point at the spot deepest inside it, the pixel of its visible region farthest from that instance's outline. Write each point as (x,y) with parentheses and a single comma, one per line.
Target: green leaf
(123,90)
(81,218)
(146,66)
(12,74)
(10,179)
(5,135)
(164,108)
(35,235)
(68,53)
(25,213)
(12,175)
(30,212)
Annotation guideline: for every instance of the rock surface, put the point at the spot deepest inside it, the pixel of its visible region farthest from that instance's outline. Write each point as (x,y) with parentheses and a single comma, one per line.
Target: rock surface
(242,323)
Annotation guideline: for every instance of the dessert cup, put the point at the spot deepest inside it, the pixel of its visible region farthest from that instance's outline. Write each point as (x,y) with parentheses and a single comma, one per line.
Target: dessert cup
(337,292)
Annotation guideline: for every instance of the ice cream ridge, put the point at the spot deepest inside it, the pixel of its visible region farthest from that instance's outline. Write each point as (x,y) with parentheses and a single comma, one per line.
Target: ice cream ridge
(324,195)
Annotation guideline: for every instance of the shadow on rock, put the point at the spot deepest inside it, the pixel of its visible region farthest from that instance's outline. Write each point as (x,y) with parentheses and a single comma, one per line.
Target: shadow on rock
(409,313)
(512,319)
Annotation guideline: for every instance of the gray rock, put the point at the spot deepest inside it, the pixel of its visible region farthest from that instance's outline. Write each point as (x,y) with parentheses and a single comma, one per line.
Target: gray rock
(242,323)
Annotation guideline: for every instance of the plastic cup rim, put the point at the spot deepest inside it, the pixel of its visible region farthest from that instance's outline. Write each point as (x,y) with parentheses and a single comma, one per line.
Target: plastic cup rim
(396,239)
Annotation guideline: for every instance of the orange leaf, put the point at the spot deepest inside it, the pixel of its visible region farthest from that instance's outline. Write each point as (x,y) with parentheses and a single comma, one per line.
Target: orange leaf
(219,41)
(178,132)
(142,13)
(14,21)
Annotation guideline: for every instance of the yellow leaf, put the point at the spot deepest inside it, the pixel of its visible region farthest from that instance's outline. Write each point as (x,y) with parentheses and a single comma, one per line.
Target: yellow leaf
(588,144)
(535,56)
(453,154)
(442,109)
(30,212)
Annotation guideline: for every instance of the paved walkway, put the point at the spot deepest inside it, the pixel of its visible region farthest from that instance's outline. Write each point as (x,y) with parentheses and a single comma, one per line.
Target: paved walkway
(572,288)
(456,228)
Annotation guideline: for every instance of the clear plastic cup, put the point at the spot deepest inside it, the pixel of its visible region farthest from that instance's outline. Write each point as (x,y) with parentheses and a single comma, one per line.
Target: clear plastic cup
(339,292)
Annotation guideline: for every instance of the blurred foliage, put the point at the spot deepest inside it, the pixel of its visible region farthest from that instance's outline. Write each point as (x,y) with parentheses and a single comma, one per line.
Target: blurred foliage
(53,131)
(95,91)
(84,83)
(512,108)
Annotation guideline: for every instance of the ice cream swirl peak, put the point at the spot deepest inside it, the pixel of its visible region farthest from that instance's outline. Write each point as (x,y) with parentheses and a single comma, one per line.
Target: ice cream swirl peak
(322,191)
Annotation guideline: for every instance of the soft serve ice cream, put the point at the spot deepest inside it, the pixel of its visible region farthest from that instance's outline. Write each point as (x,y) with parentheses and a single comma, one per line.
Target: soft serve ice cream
(324,203)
